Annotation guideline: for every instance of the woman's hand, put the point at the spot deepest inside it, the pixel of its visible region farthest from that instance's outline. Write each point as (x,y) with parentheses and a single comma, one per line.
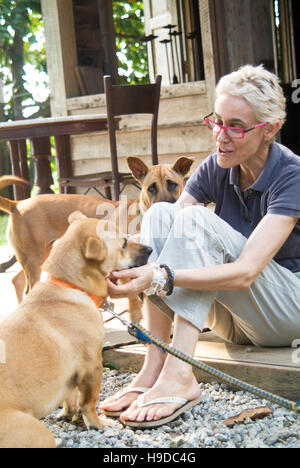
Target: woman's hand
(134,281)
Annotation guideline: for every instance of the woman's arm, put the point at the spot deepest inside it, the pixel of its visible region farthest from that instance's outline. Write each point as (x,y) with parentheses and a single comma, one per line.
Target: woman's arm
(263,244)
(186,199)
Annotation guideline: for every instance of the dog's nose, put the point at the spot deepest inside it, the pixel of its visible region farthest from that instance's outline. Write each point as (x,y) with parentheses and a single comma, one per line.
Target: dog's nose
(148,251)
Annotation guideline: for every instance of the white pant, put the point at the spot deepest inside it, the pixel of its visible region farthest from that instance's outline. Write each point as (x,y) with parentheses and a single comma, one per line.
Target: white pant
(266,314)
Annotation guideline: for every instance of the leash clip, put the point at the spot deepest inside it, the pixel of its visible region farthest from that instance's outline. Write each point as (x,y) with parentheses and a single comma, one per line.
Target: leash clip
(108,306)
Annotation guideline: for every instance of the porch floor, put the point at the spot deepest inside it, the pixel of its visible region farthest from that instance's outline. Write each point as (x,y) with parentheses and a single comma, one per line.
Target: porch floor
(272,369)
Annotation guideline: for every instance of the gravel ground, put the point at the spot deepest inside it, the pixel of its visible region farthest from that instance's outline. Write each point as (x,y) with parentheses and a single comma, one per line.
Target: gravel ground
(199,427)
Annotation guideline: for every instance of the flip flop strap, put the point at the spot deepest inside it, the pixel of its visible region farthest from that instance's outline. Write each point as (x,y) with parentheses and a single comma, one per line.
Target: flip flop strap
(169,400)
(131,390)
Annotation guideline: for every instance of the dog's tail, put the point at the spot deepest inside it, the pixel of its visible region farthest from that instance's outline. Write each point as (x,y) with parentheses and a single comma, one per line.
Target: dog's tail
(6,180)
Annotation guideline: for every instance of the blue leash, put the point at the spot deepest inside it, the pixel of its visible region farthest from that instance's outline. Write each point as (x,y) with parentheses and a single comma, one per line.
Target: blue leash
(143,335)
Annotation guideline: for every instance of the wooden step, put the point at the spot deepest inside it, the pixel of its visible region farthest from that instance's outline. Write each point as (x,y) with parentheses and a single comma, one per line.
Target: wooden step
(271,369)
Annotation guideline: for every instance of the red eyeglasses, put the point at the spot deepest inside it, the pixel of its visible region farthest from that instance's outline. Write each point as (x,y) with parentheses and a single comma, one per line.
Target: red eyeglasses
(232,132)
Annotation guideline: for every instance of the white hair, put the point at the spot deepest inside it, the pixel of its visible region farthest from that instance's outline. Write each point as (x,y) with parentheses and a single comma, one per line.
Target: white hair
(260,88)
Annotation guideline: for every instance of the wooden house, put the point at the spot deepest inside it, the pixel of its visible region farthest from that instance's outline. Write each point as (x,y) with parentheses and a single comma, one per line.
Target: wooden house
(214,37)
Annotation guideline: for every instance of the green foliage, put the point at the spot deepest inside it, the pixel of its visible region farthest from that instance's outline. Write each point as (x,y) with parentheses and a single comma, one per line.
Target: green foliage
(131,51)
(20,28)
(3,226)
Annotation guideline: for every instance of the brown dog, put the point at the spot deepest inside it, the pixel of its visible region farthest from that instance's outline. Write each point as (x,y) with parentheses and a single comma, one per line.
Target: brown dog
(53,341)
(37,221)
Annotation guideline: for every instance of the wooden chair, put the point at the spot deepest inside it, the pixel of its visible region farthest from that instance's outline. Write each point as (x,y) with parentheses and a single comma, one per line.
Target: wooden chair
(121,100)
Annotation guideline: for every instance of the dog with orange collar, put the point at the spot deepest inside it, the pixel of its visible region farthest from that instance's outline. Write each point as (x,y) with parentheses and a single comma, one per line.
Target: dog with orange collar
(53,341)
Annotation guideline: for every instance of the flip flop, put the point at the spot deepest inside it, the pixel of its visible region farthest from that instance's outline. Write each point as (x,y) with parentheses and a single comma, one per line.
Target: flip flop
(185,405)
(116,414)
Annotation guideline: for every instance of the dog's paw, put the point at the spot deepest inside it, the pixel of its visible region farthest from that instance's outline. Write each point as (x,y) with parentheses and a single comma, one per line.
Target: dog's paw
(64,416)
(99,423)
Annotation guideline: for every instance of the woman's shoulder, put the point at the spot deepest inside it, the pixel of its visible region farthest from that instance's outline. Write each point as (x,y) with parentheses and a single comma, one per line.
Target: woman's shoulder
(286,169)
(286,155)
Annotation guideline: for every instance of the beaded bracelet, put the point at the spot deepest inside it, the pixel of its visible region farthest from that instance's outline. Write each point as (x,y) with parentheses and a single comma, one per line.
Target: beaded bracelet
(158,282)
(171,276)
(159,285)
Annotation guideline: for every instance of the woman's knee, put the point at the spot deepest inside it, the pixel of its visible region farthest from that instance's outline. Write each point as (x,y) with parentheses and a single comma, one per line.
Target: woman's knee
(158,220)
(190,221)
(160,209)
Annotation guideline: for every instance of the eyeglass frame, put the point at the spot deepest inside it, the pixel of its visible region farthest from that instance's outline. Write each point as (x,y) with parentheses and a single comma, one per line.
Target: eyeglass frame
(223,127)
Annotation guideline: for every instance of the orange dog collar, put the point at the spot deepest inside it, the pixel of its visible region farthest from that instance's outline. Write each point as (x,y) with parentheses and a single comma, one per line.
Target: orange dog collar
(98,300)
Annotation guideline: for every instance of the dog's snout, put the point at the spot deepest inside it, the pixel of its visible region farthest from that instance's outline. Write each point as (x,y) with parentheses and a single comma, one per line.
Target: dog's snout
(144,252)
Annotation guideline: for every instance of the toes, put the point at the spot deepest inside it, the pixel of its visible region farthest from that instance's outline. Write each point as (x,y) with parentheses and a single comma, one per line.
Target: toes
(151,413)
(164,411)
(148,413)
(130,413)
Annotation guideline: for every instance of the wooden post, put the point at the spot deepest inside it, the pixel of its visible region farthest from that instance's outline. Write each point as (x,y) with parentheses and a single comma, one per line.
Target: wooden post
(41,153)
(63,159)
(208,52)
(61,52)
(16,170)
(108,39)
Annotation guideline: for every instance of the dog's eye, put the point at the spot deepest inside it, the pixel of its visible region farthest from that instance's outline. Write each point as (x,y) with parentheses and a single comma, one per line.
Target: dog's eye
(124,244)
(152,188)
(172,186)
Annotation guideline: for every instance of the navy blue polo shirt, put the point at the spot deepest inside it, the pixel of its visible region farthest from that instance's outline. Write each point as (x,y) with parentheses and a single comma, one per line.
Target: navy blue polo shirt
(276,191)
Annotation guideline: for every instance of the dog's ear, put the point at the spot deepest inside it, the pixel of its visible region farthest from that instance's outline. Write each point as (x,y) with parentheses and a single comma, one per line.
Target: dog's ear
(183,165)
(138,168)
(75,216)
(95,249)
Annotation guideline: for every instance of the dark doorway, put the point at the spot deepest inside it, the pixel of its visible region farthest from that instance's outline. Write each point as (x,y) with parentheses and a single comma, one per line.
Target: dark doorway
(287,37)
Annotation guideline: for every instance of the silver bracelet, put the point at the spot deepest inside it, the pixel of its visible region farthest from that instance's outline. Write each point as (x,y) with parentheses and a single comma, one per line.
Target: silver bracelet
(158,282)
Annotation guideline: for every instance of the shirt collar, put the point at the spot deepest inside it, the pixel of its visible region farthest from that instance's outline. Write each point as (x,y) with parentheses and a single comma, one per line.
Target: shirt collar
(265,176)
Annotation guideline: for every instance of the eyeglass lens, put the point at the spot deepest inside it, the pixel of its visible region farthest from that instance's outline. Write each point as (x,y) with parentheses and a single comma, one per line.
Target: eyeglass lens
(230,131)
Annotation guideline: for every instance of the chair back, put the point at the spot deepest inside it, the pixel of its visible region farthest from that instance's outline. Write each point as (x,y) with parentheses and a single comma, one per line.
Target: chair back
(125,100)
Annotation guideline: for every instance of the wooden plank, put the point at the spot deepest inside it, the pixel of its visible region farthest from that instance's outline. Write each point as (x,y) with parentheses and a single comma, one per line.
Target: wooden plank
(82,167)
(61,52)
(268,368)
(182,140)
(206,17)
(83,103)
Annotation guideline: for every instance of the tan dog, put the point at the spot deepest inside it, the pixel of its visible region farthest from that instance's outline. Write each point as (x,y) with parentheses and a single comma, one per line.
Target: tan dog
(37,221)
(53,341)
(159,183)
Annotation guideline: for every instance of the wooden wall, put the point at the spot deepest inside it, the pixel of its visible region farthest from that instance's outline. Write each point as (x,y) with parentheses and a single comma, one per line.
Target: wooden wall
(181,130)
(241,34)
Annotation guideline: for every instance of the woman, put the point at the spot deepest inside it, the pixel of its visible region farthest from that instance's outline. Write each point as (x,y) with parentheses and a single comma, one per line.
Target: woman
(237,270)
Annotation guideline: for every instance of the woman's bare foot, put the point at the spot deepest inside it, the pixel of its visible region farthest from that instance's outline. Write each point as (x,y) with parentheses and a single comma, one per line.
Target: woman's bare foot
(165,386)
(160,325)
(175,380)
(146,378)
